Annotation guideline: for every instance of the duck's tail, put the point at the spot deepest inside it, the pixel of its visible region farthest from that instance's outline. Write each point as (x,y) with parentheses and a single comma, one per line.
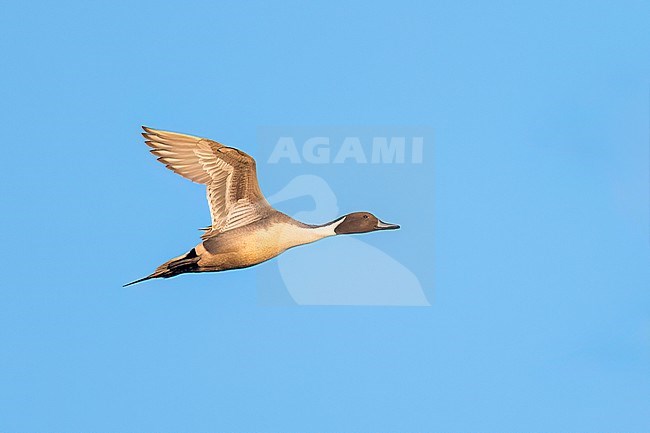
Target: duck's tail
(180,265)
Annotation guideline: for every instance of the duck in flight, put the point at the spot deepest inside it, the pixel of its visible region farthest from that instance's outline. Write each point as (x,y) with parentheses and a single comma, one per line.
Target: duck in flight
(245,229)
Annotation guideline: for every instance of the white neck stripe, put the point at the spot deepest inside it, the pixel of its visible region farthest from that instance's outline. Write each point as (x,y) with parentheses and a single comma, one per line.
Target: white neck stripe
(328,230)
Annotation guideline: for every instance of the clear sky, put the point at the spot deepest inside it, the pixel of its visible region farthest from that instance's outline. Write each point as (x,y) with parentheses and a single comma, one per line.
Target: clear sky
(527,224)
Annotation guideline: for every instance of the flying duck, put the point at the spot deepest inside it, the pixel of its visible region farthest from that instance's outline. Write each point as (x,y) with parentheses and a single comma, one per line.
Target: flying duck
(245,229)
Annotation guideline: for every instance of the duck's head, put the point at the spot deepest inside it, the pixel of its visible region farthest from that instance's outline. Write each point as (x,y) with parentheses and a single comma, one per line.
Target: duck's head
(362,222)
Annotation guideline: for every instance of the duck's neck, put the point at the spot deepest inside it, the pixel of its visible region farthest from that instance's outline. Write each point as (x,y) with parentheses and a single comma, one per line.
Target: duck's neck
(325,230)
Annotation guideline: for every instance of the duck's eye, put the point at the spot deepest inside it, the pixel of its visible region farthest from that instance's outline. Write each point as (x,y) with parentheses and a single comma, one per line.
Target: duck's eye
(365,216)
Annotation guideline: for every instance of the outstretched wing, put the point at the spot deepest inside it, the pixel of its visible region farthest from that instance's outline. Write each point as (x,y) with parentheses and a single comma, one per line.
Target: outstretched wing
(234,195)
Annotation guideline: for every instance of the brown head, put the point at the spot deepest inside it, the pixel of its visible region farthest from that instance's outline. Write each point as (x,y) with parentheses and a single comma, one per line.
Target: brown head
(362,222)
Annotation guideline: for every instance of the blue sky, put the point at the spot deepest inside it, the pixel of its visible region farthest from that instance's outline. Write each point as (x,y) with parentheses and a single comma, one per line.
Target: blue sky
(537,235)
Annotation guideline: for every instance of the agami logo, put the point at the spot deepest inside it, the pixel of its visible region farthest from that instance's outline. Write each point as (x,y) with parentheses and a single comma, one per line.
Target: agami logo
(324,171)
(354,149)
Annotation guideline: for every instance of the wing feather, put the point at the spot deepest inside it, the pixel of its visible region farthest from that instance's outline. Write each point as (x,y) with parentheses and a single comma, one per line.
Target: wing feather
(229,174)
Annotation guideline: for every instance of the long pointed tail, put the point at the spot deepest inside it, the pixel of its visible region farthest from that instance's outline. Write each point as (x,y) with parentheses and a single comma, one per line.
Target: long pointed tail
(179,265)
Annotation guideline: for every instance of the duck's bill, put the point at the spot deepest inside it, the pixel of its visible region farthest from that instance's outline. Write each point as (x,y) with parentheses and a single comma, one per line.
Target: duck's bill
(386,226)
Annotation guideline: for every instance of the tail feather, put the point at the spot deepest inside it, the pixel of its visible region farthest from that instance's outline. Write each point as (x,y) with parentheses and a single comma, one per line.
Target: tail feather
(179,265)
(140,280)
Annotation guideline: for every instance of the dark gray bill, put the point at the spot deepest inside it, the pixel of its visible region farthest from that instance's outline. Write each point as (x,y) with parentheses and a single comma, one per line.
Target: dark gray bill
(386,226)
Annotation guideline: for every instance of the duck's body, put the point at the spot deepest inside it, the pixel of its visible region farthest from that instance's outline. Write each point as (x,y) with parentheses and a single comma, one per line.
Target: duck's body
(257,242)
(245,229)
